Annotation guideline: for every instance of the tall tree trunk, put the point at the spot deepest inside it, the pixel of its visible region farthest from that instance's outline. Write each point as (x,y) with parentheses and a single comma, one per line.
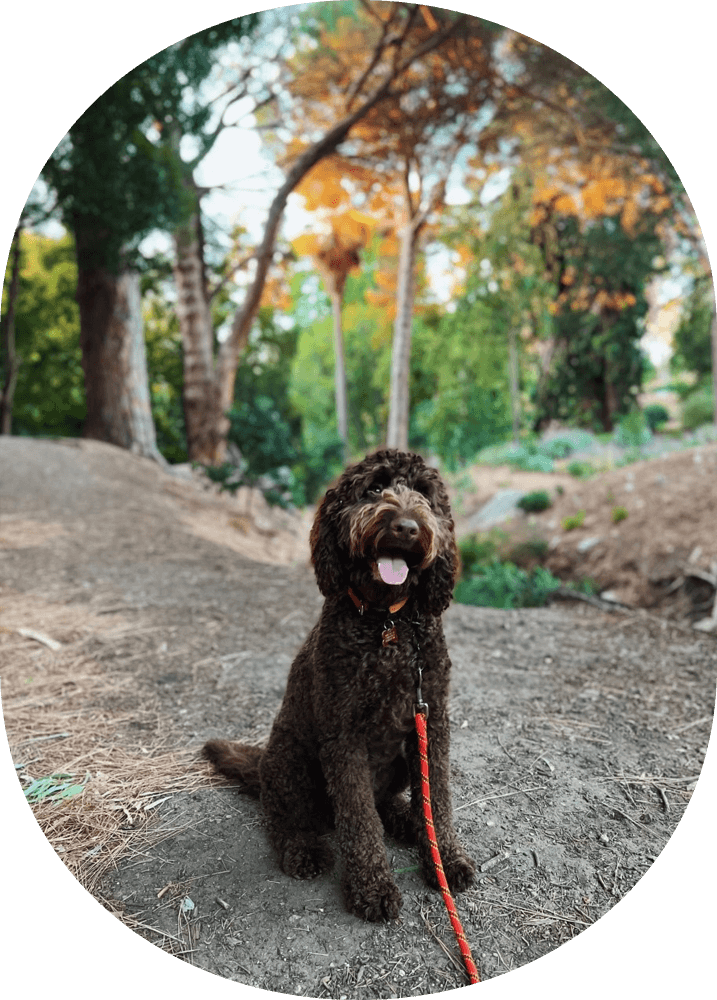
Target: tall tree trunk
(206,426)
(114,359)
(342,411)
(714,360)
(684,206)
(514,384)
(11,362)
(399,399)
(611,400)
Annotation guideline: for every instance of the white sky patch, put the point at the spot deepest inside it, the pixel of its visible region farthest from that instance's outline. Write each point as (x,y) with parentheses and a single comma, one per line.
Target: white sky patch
(496,185)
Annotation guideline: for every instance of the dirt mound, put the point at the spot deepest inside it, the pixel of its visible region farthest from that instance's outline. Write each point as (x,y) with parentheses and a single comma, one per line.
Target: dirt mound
(89,475)
(646,532)
(648,535)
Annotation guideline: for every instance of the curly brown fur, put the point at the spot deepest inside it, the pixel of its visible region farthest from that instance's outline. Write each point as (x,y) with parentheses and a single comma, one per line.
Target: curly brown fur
(343,749)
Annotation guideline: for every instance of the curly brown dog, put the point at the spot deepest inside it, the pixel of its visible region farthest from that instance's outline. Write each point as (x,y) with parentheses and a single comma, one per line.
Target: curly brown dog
(343,748)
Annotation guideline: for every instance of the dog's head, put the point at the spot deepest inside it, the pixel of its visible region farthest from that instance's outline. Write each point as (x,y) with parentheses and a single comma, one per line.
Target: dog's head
(385,529)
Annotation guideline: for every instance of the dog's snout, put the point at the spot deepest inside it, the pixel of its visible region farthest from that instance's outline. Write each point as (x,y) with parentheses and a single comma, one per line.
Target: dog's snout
(405,527)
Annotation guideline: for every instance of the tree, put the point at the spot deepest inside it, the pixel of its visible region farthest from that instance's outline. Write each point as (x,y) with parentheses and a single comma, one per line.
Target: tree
(639,174)
(400,155)
(49,394)
(693,337)
(343,84)
(9,358)
(596,365)
(335,255)
(114,182)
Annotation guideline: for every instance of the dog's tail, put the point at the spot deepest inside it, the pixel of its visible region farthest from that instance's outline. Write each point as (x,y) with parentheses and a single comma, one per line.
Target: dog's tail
(236,760)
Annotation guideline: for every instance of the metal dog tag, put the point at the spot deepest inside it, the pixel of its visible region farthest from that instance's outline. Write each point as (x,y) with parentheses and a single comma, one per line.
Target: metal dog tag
(389,636)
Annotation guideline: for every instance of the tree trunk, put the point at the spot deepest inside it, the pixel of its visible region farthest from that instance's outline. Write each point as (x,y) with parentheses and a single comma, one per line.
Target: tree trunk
(714,363)
(612,405)
(690,219)
(11,362)
(205,423)
(514,384)
(114,360)
(342,412)
(399,401)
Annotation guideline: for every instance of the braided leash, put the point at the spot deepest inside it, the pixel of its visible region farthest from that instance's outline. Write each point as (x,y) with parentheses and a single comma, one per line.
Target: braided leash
(430,831)
(389,637)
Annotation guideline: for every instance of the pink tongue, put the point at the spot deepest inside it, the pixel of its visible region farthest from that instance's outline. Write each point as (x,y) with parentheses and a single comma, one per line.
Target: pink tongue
(392,571)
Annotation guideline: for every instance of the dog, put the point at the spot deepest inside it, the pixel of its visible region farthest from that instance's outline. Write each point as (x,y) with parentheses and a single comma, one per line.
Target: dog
(343,749)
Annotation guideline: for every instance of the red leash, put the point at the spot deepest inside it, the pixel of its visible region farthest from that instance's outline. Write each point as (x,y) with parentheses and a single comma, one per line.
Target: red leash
(440,874)
(389,637)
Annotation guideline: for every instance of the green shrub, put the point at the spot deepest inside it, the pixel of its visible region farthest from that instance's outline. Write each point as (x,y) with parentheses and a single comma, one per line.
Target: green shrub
(574,521)
(504,585)
(535,502)
(698,408)
(478,549)
(618,514)
(633,431)
(581,470)
(656,414)
(557,448)
(536,463)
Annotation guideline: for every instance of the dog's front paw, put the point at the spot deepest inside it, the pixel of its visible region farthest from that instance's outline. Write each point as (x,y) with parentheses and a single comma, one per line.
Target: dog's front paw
(375,901)
(459,870)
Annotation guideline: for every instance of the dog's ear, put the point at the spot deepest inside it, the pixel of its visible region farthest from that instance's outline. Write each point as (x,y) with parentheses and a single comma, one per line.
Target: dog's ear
(325,552)
(436,584)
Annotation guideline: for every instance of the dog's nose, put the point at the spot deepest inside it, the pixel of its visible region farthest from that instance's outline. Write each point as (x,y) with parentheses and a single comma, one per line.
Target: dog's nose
(406,527)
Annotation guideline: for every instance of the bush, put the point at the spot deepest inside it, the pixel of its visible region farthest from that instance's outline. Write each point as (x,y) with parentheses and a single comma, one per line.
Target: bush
(581,470)
(504,585)
(536,462)
(574,521)
(655,414)
(476,550)
(557,448)
(534,503)
(618,514)
(633,431)
(698,408)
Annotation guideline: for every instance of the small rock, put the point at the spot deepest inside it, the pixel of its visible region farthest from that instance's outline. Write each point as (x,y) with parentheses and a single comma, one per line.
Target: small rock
(589,543)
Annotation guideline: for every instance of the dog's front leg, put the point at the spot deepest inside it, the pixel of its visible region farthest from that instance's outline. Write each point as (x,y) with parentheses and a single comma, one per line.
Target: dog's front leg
(458,867)
(369,888)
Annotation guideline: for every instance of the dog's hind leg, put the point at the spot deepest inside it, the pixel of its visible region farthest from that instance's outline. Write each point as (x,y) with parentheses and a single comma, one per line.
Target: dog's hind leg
(393,806)
(295,806)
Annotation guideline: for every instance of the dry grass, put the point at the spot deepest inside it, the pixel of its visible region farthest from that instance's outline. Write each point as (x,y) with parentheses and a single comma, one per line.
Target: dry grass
(58,723)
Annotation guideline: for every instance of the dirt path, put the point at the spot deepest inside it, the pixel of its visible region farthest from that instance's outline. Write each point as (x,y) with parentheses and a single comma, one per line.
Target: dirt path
(578,736)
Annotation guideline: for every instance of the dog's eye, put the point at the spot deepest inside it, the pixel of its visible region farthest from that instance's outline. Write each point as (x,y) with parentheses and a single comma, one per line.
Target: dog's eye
(374,490)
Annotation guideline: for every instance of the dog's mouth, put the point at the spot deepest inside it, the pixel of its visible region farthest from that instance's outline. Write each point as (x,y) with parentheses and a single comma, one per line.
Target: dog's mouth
(392,569)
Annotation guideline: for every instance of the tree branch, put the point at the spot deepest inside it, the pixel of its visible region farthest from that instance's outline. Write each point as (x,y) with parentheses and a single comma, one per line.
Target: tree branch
(244,316)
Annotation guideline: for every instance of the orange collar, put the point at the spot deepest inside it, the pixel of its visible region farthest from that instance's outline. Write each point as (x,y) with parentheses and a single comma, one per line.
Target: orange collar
(363,605)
